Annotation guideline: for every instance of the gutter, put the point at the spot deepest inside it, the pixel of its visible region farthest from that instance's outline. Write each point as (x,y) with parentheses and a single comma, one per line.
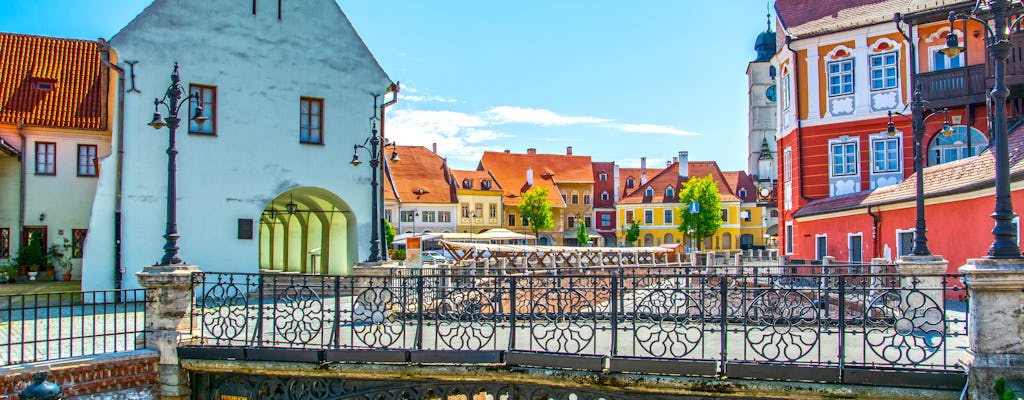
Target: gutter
(21,181)
(105,59)
(875,220)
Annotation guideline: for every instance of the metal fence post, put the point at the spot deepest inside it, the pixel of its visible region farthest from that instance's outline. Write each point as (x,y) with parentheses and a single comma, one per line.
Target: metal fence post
(419,309)
(615,313)
(723,292)
(512,312)
(842,326)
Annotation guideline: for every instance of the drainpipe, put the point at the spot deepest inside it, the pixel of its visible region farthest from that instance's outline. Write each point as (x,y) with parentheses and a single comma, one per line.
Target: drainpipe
(105,59)
(875,220)
(21,181)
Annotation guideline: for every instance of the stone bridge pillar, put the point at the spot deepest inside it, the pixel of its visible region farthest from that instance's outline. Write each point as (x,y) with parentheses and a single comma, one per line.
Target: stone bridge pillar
(168,322)
(995,323)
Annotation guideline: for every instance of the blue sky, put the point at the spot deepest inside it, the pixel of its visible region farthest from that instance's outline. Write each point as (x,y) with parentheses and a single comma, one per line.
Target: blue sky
(616,80)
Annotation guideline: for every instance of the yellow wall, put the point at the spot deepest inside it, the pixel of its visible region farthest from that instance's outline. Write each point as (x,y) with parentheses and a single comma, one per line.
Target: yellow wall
(485,198)
(660,229)
(555,232)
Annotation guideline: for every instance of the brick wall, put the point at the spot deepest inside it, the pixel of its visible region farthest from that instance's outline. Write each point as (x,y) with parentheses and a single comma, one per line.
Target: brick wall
(118,375)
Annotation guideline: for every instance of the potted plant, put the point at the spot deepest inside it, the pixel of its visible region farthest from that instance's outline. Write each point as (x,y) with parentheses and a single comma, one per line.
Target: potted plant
(59,257)
(8,271)
(32,257)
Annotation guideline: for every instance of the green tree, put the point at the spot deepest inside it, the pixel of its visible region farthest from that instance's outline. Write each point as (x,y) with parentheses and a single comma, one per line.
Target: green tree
(389,234)
(582,237)
(705,222)
(536,208)
(633,234)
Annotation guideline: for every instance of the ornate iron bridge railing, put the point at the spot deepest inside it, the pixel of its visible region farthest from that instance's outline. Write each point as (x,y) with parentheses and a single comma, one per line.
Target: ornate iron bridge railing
(842,323)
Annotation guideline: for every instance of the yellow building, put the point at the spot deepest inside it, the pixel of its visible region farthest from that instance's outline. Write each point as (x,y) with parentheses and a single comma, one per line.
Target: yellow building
(654,204)
(480,201)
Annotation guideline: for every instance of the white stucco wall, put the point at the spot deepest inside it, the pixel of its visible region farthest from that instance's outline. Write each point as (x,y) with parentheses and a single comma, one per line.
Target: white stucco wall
(261,67)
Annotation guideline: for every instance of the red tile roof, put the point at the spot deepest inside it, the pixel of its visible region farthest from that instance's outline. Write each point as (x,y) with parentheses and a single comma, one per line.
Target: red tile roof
(72,69)
(509,169)
(958,176)
(476,179)
(635,173)
(740,180)
(421,176)
(670,177)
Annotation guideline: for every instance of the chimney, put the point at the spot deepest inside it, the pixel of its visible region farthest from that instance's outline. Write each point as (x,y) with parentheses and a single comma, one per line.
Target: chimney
(615,182)
(668,163)
(507,151)
(568,150)
(684,164)
(529,176)
(435,147)
(643,170)
(531,151)
(675,159)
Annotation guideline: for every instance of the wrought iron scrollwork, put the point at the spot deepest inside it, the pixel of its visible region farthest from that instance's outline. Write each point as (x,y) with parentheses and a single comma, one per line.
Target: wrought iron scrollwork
(782,325)
(373,317)
(465,319)
(905,326)
(559,321)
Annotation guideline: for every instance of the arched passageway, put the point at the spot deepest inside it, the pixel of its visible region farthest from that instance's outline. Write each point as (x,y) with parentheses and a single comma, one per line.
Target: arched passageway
(308,230)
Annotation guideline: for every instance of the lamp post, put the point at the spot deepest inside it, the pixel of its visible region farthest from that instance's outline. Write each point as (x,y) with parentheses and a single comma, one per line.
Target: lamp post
(1003,245)
(172,102)
(918,121)
(375,145)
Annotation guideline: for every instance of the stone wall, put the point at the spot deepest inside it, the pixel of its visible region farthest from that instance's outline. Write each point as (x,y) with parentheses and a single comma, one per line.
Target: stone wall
(128,375)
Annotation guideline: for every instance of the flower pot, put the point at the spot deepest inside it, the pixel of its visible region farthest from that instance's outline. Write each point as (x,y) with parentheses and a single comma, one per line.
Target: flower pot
(66,277)
(32,275)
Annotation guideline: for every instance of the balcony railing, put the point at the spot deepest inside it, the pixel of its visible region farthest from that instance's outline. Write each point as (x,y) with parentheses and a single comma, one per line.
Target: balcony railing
(954,86)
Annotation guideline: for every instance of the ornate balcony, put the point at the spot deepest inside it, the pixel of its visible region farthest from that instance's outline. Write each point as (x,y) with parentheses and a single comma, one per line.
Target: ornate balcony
(954,87)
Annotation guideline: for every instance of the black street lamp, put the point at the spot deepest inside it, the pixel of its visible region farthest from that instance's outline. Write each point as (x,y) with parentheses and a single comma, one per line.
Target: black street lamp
(1004,245)
(375,145)
(918,120)
(172,102)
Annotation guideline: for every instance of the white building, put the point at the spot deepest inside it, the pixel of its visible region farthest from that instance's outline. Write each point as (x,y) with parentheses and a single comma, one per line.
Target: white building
(419,195)
(265,183)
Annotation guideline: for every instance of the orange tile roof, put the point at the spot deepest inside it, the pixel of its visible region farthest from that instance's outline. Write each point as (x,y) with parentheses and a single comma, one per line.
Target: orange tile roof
(670,177)
(635,173)
(509,169)
(476,177)
(77,98)
(738,180)
(420,176)
(962,175)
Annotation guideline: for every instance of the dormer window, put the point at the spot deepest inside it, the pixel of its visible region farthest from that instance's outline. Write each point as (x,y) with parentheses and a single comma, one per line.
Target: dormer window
(630,182)
(604,196)
(743,193)
(485,184)
(649,192)
(603,176)
(467,183)
(669,192)
(44,85)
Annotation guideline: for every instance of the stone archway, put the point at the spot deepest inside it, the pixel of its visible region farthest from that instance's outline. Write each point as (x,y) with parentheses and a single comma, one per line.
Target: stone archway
(308,230)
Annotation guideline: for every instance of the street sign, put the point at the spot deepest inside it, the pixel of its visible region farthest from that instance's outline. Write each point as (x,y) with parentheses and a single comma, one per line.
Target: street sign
(694,207)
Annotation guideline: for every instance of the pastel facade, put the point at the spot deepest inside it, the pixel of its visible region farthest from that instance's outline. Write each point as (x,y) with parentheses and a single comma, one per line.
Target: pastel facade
(419,194)
(480,201)
(56,110)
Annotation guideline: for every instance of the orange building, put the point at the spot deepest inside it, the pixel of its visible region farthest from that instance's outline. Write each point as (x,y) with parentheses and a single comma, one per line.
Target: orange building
(568,178)
(842,67)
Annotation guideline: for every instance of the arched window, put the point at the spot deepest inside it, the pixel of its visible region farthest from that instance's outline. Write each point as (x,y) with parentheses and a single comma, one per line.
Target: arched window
(743,193)
(604,195)
(669,238)
(775,213)
(649,192)
(726,241)
(669,192)
(648,240)
(944,149)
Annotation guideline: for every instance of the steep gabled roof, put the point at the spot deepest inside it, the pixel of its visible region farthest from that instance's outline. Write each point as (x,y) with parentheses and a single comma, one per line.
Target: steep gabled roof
(421,176)
(476,179)
(740,180)
(510,170)
(962,175)
(670,177)
(52,82)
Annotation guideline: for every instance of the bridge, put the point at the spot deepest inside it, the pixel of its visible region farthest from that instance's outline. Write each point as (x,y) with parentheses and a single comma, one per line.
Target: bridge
(531,325)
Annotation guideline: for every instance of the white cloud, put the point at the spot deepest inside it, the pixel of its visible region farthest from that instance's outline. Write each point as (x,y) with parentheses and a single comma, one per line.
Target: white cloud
(523,115)
(652,128)
(457,135)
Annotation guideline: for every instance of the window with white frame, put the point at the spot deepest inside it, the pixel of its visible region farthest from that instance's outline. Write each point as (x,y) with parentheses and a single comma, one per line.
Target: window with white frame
(604,195)
(883,70)
(840,77)
(784,84)
(429,216)
(941,61)
(669,192)
(885,155)
(668,216)
(843,157)
(649,192)
(648,216)
(603,176)
(444,216)
(606,220)
(787,165)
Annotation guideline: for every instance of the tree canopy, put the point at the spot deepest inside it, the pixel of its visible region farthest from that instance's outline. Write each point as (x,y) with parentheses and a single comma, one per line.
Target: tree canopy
(536,208)
(633,233)
(705,222)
